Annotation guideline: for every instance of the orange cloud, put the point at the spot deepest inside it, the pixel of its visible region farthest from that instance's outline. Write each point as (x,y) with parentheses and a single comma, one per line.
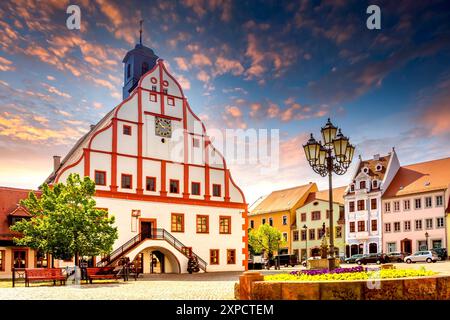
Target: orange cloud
(200,60)
(224,65)
(6,65)
(203,76)
(181,62)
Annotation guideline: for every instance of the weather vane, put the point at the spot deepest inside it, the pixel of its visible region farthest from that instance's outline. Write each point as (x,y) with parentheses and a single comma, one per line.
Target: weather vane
(140,32)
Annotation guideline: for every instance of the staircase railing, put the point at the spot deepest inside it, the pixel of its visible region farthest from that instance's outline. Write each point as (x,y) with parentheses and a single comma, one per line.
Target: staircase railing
(156,234)
(113,256)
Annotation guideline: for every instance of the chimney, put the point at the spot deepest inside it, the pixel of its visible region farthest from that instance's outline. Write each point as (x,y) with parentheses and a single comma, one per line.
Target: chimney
(56,162)
(376,157)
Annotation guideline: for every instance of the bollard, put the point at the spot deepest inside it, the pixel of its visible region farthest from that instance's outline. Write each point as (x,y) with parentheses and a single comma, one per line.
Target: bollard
(245,283)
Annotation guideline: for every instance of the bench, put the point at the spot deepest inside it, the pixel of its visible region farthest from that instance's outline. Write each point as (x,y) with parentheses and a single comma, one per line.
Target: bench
(100,273)
(44,274)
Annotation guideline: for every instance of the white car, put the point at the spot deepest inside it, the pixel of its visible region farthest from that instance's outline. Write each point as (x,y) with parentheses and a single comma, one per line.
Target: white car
(422,256)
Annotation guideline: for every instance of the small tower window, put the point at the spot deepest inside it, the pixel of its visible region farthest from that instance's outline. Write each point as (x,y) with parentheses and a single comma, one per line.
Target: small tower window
(153,97)
(153,88)
(170,101)
(144,67)
(127,130)
(165,91)
(128,71)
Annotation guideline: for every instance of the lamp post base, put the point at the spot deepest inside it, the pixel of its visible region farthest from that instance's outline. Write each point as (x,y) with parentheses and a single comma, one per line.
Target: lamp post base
(331,263)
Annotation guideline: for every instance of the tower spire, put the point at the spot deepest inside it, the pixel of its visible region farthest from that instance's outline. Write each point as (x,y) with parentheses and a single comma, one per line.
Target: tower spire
(140,32)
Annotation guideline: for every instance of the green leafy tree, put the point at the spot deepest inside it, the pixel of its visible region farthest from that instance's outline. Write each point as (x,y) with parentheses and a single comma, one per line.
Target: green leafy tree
(265,238)
(65,221)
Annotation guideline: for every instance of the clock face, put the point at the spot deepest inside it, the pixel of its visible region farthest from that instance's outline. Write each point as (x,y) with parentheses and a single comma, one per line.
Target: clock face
(163,127)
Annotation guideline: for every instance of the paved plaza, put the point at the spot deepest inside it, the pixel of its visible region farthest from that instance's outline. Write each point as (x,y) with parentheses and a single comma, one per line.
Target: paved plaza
(161,287)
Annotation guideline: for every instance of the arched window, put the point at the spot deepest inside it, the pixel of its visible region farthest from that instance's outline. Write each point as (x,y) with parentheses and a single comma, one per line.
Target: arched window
(144,67)
(373,248)
(362,184)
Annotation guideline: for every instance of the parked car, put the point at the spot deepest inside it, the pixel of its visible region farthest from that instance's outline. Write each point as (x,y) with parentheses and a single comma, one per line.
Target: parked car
(310,258)
(397,256)
(442,253)
(422,256)
(285,260)
(377,258)
(353,258)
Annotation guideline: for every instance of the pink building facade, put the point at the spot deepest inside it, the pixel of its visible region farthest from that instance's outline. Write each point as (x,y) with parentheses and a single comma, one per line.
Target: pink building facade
(414,207)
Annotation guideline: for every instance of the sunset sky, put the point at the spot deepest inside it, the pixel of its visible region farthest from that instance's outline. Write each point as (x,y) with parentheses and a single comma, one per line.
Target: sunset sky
(243,64)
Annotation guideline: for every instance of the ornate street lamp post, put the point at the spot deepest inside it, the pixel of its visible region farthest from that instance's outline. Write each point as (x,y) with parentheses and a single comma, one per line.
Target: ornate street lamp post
(333,155)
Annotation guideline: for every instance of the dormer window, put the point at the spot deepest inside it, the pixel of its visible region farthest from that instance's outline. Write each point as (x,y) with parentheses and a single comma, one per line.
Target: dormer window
(362,184)
(352,187)
(379,167)
(374,184)
(365,170)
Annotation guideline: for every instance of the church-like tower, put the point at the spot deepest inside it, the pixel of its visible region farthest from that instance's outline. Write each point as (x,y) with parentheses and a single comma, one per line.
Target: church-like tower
(136,63)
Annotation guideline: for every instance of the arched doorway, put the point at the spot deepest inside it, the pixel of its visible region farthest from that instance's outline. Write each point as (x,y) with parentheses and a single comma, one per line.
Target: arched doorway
(354,249)
(155,260)
(373,247)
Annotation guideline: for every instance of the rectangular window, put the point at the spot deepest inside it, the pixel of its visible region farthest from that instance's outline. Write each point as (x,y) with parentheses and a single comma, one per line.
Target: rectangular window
(436,244)
(303,235)
(150,183)
(195,142)
(396,226)
(352,226)
(231,256)
(312,234)
(153,88)
(263,221)
(126,180)
(428,202)
(295,235)
(362,185)
(361,205)
(387,207)
(187,251)
(284,220)
(407,226)
(439,201)
(2,260)
(271,222)
(429,223)
(338,232)
(285,236)
(20,260)
(170,101)
(373,204)
(100,178)
(351,206)
(41,259)
(195,188)
(177,222)
(153,97)
(126,130)
(252,224)
(315,215)
(217,190)
(303,217)
(165,91)
(374,226)
(417,203)
(392,246)
(214,256)
(406,205)
(361,226)
(202,224)
(418,224)
(439,222)
(319,233)
(174,186)
(387,227)
(225,225)
(396,206)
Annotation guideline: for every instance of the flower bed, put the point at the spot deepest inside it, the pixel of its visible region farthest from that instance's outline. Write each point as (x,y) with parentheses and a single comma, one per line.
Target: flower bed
(356,273)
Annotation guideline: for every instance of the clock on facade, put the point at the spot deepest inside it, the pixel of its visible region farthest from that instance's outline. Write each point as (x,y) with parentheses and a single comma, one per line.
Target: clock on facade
(163,127)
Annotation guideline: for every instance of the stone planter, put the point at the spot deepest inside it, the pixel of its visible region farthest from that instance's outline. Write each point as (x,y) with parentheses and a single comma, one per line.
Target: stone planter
(420,288)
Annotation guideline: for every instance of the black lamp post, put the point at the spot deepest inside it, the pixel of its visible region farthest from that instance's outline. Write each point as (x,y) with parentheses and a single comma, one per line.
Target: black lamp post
(426,237)
(334,155)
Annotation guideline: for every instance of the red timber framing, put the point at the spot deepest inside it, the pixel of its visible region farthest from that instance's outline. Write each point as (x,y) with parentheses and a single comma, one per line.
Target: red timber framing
(139,187)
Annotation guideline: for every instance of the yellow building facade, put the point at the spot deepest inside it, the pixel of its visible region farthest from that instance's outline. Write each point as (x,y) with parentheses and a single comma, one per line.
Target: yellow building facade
(278,209)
